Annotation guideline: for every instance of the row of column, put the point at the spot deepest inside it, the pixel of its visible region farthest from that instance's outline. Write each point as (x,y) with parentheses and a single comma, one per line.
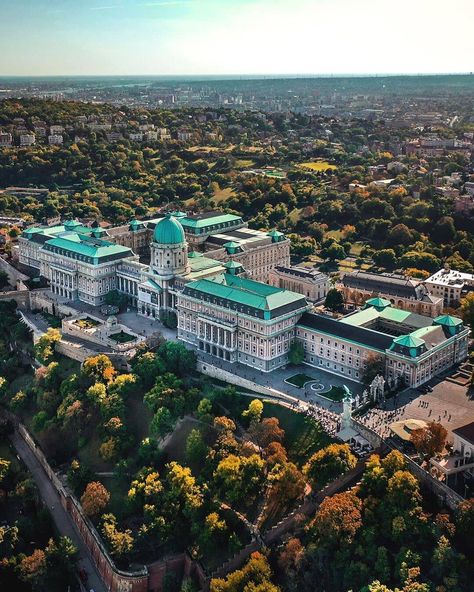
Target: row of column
(217,335)
(127,286)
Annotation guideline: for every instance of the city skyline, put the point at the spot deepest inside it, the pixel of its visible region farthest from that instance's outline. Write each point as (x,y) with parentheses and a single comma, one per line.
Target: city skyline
(252,37)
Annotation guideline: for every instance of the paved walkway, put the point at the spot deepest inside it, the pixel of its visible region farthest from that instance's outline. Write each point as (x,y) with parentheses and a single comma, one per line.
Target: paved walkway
(61,518)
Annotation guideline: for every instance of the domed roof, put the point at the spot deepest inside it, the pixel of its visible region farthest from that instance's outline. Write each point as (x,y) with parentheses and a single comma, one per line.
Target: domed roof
(168,231)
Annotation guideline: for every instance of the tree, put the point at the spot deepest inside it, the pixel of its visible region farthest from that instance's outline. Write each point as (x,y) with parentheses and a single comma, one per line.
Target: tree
(296,353)
(374,365)
(4,279)
(165,391)
(254,411)
(177,358)
(338,519)
(45,346)
(287,483)
(465,526)
(291,556)
(95,498)
(444,230)
(467,310)
(430,440)
(253,577)
(239,477)
(99,368)
(328,464)
(119,541)
(385,258)
(162,422)
(334,300)
(115,298)
(196,448)
(183,491)
(32,568)
(266,431)
(400,235)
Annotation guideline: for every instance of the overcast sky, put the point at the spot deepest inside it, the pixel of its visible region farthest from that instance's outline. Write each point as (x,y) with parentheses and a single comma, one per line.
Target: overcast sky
(80,37)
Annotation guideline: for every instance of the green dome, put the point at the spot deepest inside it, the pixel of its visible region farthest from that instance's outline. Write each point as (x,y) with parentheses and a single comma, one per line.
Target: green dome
(168,231)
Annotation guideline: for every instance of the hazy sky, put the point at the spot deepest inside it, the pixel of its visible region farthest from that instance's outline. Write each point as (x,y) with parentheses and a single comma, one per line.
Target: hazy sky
(51,37)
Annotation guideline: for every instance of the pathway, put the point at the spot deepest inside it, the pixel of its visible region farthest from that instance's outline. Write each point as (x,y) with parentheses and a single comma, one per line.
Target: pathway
(61,518)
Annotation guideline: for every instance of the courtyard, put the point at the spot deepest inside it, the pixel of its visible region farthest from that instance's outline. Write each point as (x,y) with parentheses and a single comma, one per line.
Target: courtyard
(449,404)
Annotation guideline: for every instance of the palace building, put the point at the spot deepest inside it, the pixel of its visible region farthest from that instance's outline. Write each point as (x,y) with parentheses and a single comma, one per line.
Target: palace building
(225,309)
(412,348)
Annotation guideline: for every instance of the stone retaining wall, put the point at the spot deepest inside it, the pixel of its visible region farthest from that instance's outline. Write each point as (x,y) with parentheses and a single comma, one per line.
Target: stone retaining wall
(225,376)
(150,578)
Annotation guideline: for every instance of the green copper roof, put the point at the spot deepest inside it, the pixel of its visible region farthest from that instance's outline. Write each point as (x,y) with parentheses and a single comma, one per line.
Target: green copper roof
(169,231)
(135,224)
(69,226)
(408,341)
(275,232)
(379,303)
(179,214)
(447,321)
(93,250)
(246,293)
(233,265)
(194,255)
(204,222)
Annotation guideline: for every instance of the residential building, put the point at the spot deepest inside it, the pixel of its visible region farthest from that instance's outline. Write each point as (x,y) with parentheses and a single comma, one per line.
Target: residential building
(450,285)
(55,140)
(6,140)
(27,139)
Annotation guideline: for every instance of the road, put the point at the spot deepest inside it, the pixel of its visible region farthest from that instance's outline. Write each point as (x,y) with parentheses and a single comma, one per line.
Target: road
(61,518)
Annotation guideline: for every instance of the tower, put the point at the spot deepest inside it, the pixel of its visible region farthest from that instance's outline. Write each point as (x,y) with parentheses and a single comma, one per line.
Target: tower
(169,249)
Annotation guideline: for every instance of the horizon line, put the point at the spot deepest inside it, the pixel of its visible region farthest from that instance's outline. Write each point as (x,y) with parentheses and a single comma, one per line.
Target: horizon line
(245,75)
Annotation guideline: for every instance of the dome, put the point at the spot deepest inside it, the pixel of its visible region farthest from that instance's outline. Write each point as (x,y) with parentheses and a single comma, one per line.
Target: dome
(168,231)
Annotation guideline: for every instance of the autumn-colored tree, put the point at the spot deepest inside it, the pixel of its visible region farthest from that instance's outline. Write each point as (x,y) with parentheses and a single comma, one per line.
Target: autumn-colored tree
(146,486)
(287,483)
(465,526)
(119,541)
(95,498)
(276,454)
(467,310)
(99,368)
(266,431)
(291,556)
(240,478)
(224,424)
(430,440)
(45,346)
(328,463)
(32,568)
(255,576)
(337,520)
(254,411)
(182,487)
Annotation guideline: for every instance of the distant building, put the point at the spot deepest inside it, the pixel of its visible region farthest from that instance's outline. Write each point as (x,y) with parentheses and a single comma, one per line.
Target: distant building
(311,283)
(402,291)
(55,140)
(450,285)
(6,139)
(27,139)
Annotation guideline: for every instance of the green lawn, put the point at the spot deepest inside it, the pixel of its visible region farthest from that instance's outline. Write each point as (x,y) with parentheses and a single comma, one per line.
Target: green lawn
(122,337)
(303,436)
(223,195)
(335,394)
(299,380)
(320,165)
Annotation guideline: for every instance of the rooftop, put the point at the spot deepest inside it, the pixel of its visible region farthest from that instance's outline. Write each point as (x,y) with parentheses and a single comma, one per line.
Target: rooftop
(230,289)
(92,249)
